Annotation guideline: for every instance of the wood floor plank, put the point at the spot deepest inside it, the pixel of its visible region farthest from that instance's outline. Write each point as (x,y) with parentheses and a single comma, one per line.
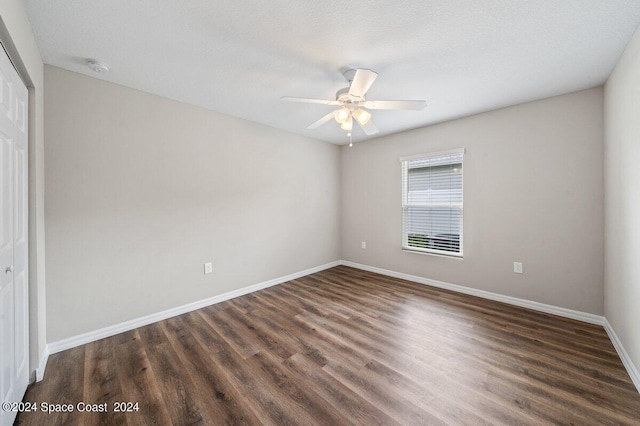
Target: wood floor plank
(385,351)
(101,384)
(258,394)
(175,382)
(216,397)
(349,404)
(317,345)
(261,335)
(288,334)
(63,385)
(377,393)
(347,347)
(138,383)
(300,398)
(234,336)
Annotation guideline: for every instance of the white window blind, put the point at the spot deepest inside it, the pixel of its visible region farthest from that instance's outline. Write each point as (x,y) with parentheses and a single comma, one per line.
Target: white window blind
(432,209)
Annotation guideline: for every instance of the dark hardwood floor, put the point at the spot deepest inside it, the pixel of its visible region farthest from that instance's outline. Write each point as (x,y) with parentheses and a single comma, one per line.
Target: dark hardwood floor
(345,346)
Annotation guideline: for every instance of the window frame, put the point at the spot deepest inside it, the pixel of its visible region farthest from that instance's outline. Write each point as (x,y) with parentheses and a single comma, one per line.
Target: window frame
(404,162)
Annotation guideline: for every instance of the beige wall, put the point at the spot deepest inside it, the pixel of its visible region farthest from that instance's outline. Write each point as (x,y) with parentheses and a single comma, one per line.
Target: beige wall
(533,192)
(622,201)
(18,40)
(142,190)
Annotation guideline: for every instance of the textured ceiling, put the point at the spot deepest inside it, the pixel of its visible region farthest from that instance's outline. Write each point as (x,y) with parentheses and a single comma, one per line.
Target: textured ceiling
(240,57)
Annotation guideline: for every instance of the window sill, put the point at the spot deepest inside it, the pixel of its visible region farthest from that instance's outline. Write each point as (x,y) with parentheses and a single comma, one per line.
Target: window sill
(425,253)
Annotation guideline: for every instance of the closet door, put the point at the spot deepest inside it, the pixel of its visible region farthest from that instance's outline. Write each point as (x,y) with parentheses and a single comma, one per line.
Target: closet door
(20,236)
(14,312)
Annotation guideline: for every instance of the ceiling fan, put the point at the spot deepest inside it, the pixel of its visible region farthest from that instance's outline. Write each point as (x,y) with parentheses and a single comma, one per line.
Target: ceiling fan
(354,106)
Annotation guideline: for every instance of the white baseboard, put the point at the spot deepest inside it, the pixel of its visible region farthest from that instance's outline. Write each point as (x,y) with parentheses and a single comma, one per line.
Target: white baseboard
(624,356)
(42,365)
(530,304)
(112,330)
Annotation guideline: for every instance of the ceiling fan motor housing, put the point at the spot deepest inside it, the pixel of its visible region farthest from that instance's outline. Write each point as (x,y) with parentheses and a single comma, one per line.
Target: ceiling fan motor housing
(343,96)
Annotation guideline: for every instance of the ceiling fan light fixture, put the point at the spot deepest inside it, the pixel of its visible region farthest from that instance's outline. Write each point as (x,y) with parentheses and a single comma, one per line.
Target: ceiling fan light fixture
(348,124)
(362,116)
(341,115)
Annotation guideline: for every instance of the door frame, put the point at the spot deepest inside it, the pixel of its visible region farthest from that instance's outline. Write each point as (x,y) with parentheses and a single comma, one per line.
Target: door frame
(38,354)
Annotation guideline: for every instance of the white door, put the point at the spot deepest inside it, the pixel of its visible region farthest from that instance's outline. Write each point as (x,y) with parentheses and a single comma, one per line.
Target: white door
(14,308)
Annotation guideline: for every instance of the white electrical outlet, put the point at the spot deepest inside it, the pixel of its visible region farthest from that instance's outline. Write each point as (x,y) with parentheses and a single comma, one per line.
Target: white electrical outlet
(208,268)
(364,244)
(517,267)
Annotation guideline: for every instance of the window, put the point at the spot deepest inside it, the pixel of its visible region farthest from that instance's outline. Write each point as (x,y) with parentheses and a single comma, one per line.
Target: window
(432,203)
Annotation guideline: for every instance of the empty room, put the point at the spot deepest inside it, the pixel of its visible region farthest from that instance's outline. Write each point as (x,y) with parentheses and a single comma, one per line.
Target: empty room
(320,213)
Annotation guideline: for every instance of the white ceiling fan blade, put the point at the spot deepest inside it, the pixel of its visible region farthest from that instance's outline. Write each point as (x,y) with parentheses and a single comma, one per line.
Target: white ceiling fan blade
(369,128)
(362,81)
(409,105)
(310,100)
(320,122)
